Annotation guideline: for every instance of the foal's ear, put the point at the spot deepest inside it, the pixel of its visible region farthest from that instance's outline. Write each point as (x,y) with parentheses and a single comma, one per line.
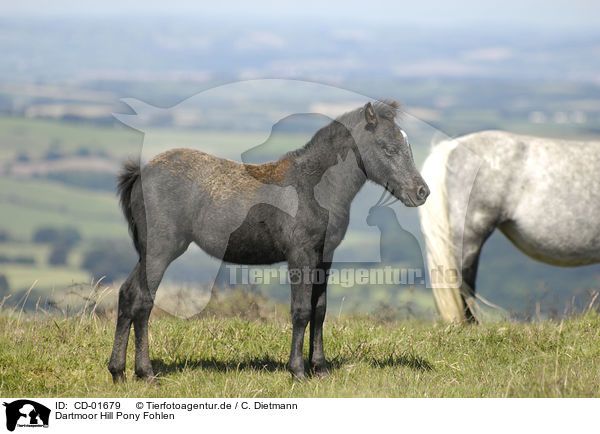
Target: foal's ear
(370,115)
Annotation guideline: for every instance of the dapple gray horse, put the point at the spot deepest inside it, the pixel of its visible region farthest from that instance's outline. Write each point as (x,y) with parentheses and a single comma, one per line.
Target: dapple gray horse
(295,209)
(543,195)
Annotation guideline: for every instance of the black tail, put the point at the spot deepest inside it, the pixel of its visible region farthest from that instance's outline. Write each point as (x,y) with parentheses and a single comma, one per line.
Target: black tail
(125,181)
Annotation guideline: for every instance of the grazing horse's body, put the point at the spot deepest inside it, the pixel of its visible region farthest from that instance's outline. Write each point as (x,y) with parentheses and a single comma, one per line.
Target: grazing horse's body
(543,195)
(295,209)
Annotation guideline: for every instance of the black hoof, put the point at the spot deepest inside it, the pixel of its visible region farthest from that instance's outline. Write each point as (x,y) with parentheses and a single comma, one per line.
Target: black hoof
(297,373)
(148,377)
(119,378)
(298,378)
(320,371)
(150,380)
(118,375)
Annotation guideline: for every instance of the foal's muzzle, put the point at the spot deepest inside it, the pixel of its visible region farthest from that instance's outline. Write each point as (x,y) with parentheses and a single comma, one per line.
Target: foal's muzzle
(419,195)
(422,193)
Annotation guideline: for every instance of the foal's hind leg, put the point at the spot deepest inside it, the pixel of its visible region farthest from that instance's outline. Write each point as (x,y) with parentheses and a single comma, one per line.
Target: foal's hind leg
(141,314)
(152,268)
(135,304)
(116,366)
(136,299)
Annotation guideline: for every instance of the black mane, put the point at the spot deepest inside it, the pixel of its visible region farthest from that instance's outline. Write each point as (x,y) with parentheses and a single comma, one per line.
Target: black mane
(385,109)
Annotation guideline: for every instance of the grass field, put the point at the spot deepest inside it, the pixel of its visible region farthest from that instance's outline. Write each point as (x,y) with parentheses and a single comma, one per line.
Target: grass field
(36,136)
(30,204)
(43,355)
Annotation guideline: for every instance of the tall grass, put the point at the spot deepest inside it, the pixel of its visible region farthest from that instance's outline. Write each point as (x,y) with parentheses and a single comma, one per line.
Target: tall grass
(239,346)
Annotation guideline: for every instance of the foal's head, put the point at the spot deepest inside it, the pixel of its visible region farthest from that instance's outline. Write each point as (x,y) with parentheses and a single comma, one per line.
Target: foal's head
(386,153)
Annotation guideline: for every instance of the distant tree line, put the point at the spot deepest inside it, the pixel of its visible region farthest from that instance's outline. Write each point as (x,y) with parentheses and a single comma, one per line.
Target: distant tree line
(61,241)
(55,152)
(94,180)
(21,259)
(4,287)
(112,259)
(4,236)
(104,181)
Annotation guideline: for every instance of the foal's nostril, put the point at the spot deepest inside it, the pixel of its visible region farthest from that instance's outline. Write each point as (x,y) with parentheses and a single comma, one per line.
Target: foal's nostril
(422,192)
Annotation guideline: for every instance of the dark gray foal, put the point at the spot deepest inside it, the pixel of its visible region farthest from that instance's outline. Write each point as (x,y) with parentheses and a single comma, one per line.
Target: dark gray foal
(295,209)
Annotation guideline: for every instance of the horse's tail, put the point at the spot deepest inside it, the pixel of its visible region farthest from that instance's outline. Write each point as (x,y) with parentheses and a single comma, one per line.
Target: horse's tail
(444,273)
(125,181)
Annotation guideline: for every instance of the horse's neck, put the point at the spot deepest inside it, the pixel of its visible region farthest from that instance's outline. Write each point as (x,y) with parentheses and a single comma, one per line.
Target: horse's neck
(337,179)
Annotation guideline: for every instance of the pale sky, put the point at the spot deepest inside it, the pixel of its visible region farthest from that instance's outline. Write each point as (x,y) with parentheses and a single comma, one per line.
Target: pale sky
(582,14)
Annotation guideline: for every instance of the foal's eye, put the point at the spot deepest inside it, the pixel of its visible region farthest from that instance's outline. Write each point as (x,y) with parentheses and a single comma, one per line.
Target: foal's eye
(390,151)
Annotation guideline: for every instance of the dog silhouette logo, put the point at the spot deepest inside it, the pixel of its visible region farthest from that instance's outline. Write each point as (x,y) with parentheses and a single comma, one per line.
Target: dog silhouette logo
(26,413)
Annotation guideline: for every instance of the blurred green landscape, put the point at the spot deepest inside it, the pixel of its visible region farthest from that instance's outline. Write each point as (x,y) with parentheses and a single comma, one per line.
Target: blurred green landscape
(61,146)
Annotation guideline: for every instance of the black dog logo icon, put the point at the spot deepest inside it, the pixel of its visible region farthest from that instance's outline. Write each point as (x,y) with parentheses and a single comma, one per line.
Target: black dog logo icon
(27,412)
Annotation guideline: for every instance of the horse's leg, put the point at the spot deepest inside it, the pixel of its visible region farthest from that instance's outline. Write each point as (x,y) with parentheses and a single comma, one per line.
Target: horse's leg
(141,314)
(116,366)
(301,309)
(152,268)
(319,307)
(473,238)
(135,305)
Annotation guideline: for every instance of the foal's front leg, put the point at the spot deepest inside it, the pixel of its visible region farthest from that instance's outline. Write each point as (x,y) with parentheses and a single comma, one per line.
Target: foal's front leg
(299,265)
(319,306)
